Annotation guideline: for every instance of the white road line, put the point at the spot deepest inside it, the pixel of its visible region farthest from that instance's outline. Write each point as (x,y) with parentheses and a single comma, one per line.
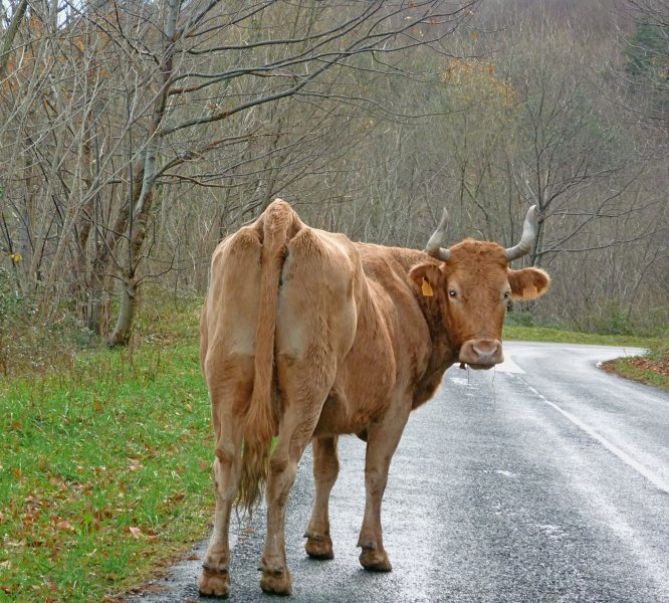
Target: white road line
(654,479)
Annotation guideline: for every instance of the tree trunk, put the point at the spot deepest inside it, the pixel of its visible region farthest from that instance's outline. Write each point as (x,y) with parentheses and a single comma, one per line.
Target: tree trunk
(94,304)
(10,34)
(139,211)
(122,329)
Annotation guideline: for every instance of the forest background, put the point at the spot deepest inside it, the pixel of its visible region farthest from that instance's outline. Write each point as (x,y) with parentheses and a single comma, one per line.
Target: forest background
(135,135)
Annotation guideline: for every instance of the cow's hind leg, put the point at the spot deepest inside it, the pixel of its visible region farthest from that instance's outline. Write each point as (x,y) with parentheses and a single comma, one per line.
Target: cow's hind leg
(326,468)
(315,327)
(227,397)
(303,392)
(382,440)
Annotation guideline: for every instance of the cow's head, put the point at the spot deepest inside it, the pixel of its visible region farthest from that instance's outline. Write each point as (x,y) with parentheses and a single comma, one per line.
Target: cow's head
(474,285)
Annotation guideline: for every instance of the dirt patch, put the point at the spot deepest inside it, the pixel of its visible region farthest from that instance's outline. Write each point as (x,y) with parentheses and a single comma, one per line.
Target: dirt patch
(661,366)
(608,366)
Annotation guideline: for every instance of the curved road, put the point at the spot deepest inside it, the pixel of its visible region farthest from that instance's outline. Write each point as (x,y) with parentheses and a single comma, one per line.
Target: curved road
(545,480)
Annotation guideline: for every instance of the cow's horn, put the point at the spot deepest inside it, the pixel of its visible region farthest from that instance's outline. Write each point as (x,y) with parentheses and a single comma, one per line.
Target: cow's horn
(433,246)
(530,227)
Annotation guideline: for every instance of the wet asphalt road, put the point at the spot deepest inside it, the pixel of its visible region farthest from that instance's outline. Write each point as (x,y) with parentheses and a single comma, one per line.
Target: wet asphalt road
(546,480)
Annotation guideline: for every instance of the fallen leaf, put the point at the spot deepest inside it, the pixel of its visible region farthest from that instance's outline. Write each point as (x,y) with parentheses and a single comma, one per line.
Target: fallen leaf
(136,532)
(153,588)
(65,525)
(135,465)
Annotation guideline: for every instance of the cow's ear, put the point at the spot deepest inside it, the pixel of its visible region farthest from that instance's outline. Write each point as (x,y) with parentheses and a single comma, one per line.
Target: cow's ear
(427,278)
(528,283)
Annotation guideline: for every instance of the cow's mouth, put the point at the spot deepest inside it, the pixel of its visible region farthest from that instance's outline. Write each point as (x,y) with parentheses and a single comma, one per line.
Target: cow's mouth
(477,367)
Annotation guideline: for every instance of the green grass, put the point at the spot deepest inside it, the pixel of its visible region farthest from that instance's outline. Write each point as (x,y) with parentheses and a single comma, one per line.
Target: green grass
(530,333)
(104,472)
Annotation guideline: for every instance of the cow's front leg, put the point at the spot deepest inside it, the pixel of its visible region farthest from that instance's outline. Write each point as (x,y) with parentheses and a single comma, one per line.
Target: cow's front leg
(326,469)
(382,440)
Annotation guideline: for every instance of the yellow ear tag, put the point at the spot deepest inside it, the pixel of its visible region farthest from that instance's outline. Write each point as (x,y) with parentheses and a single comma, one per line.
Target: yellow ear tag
(426,289)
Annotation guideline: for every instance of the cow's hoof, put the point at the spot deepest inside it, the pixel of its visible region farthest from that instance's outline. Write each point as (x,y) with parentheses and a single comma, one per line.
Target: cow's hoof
(214,583)
(276,582)
(319,547)
(375,560)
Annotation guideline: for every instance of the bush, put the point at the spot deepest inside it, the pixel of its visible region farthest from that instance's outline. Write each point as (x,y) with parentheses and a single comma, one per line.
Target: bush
(30,343)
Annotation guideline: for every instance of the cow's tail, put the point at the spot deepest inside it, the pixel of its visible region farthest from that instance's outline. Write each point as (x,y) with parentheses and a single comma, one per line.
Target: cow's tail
(278,223)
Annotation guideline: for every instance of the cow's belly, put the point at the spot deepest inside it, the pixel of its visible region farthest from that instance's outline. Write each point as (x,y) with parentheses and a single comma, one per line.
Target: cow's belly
(365,386)
(343,416)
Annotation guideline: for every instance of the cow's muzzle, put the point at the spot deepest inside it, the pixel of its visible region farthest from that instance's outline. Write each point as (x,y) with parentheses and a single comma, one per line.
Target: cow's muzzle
(481,353)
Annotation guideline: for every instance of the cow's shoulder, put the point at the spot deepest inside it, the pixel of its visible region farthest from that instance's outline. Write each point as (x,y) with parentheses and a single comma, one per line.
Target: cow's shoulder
(380,261)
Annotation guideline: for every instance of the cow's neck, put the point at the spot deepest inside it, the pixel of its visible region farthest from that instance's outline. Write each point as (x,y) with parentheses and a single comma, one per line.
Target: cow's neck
(440,352)
(443,353)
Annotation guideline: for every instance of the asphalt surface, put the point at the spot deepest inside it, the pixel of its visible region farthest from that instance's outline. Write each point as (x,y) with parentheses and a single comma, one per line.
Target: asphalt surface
(546,480)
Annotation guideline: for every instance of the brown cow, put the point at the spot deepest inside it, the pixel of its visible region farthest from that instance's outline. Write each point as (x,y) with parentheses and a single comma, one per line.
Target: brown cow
(306,335)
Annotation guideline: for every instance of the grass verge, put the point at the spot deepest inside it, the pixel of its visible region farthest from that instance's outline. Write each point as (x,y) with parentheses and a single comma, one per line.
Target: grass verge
(552,334)
(104,472)
(651,369)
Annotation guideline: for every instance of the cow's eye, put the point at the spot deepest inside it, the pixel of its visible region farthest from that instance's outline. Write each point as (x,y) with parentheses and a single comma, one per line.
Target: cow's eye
(507,295)
(452,293)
